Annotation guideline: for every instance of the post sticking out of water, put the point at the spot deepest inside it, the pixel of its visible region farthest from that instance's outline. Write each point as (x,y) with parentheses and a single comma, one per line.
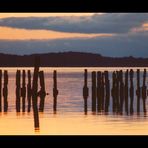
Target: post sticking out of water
(131,91)
(121,90)
(144,91)
(93,91)
(138,90)
(29,91)
(113,91)
(102,91)
(85,91)
(5,90)
(42,92)
(126,91)
(35,93)
(117,91)
(18,90)
(107,90)
(55,90)
(0,90)
(23,90)
(99,99)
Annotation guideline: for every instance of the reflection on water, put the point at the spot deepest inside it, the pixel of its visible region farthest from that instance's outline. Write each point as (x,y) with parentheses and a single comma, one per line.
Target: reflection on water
(69,117)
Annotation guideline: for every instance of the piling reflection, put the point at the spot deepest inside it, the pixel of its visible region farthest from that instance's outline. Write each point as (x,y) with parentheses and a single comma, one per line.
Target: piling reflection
(37,130)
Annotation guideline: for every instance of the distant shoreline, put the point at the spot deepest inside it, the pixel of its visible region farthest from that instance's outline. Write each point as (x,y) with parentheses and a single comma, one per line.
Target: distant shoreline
(71,59)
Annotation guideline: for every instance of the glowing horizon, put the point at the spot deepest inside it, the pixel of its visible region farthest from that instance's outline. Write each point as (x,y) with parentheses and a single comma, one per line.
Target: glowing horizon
(5,15)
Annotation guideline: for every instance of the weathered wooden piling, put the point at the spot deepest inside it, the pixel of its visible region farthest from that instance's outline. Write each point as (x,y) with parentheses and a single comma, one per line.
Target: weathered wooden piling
(99,99)
(126,91)
(138,90)
(107,91)
(117,93)
(23,90)
(102,91)
(5,90)
(144,91)
(131,91)
(18,90)
(113,91)
(55,90)
(85,91)
(121,87)
(42,92)
(0,90)
(29,91)
(35,93)
(93,91)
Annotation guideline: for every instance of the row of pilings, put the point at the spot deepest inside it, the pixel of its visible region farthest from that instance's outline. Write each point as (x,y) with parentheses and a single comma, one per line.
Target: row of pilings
(24,91)
(121,96)
(122,91)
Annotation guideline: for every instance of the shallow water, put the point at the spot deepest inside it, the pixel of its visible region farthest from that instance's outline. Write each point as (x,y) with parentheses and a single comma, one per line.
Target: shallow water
(70,118)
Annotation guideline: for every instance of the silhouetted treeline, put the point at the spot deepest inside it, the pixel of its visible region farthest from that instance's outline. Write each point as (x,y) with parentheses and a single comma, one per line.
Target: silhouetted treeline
(71,59)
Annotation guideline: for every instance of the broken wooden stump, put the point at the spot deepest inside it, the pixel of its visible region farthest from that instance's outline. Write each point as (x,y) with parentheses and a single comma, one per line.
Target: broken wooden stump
(35,92)
(5,90)
(131,91)
(29,91)
(23,91)
(18,90)
(42,92)
(93,91)
(85,91)
(55,91)
(0,90)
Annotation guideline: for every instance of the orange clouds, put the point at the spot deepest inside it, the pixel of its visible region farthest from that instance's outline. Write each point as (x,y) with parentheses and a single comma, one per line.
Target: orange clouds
(23,34)
(4,15)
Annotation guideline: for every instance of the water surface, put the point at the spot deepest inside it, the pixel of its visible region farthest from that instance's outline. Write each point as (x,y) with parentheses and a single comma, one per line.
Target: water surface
(70,118)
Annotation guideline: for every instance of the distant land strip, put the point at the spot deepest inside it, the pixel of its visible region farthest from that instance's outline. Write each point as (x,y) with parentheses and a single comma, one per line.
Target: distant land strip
(71,59)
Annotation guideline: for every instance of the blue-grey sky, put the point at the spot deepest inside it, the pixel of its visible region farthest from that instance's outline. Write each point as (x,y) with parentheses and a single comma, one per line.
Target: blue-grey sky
(109,34)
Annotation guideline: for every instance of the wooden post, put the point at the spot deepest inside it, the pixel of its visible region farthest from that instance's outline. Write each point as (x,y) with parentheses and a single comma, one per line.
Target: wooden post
(93,91)
(126,91)
(23,90)
(0,90)
(5,90)
(144,91)
(18,90)
(121,90)
(117,92)
(107,91)
(55,91)
(102,91)
(42,92)
(85,91)
(131,91)
(138,91)
(99,99)
(35,93)
(113,91)
(29,91)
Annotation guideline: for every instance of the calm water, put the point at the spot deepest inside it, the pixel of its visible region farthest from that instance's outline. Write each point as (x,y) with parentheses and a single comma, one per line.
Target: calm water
(70,118)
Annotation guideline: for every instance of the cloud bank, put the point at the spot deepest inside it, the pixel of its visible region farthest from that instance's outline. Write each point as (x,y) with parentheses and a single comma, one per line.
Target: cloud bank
(117,46)
(105,23)
(130,39)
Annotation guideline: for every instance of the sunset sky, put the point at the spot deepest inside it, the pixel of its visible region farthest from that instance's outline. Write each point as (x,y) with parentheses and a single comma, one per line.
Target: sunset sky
(109,34)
